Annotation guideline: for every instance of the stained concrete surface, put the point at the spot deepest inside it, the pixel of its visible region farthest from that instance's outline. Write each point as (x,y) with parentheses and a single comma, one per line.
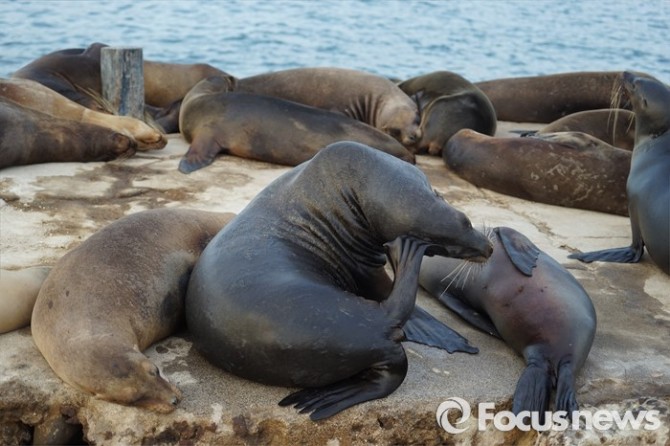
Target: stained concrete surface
(48,209)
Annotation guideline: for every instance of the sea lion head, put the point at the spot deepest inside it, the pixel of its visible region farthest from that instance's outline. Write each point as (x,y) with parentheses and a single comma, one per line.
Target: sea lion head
(651,103)
(135,381)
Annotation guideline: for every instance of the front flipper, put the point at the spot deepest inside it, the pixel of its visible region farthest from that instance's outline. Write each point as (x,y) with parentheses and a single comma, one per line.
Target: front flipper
(475,318)
(618,255)
(376,382)
(201,153)
(521,251)
(423,328)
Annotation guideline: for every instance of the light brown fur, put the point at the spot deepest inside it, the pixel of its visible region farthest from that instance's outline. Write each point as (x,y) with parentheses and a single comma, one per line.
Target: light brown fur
(113,296)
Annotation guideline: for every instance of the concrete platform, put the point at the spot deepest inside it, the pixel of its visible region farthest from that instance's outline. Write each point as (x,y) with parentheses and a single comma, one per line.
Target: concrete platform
(48,209)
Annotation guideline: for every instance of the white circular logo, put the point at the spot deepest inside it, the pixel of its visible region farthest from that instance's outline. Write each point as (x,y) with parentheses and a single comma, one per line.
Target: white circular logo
(443,414)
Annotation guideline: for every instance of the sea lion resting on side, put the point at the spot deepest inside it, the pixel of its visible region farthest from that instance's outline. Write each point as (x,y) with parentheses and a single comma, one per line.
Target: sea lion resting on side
(364,96)
(536,306)
(547,98)
(75,74)
(31,137)
(570,169)
(615,126)
(37,97)
(113,296)
(265,128)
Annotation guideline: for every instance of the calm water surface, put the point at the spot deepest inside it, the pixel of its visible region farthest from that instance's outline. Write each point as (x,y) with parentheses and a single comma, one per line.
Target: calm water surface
(478,39)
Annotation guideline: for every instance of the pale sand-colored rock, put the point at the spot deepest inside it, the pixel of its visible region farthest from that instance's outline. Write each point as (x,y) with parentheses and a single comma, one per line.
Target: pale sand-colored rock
(48,209)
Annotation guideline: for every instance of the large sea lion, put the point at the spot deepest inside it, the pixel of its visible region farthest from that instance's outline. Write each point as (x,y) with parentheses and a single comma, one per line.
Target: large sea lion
(448,102)
(18,292)
(75,73)
(322,312)
(568,169)
(547,98)
(536,306)
(118,292)
(31,137)
(364,96)
(648,185)
(265,128)
(615,126)
(35,96)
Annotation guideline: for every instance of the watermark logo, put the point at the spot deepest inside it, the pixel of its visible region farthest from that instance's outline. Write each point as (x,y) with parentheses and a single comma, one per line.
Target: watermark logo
(601,420)
(443,409)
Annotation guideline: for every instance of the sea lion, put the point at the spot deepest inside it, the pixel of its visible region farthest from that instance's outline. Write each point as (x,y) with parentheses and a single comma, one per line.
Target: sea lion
(615,126)
(265,128)
(364,96)
(323,313)
(118,292)
(75,73)
(536,306)
(35,96)
(18,291)
(648,185)
(547,98)
(448,102)
(568,169)
(31,137)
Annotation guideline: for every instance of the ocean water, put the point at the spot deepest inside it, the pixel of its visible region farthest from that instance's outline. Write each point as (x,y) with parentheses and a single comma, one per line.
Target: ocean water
(479,39)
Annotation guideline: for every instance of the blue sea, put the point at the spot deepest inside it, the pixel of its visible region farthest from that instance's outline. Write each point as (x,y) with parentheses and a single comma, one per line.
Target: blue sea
(479,39)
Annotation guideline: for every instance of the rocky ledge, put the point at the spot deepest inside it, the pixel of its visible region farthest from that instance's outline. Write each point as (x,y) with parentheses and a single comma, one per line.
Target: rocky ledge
(48,209)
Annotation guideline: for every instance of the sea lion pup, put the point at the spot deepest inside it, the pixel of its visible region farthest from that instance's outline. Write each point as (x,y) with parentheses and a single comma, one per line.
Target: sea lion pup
(547,98)
(648,185)
(363,96)
(18,292)
(525,297)
(322,313)
(265,128)
(568,169)
(448,102)
(113,296)
(31,137)
(37,97)
(615,126)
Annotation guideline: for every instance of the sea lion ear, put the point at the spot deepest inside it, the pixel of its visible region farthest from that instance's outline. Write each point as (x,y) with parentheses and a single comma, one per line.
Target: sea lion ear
(520,250)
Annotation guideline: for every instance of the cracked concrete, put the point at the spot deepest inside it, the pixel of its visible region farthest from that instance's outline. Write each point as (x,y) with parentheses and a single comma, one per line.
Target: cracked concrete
(48,209)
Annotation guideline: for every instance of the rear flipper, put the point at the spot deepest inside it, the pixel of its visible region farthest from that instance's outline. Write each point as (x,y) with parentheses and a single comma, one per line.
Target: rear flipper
(618,255)
(533,389)
(565,388)
(376,382)
(423,328)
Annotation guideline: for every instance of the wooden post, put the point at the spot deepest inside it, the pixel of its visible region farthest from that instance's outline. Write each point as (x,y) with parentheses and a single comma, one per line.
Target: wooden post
(122,76)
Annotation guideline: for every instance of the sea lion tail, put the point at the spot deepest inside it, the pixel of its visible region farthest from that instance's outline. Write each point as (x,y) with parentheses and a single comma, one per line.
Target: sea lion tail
(565,389)
(533,389)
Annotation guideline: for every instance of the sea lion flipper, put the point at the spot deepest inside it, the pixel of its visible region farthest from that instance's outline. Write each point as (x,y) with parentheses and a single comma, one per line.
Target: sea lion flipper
(533,389)
(201,153)
(475,318)
(627,254)
(521,251)
(376,382)
(423,328)
(565,389)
